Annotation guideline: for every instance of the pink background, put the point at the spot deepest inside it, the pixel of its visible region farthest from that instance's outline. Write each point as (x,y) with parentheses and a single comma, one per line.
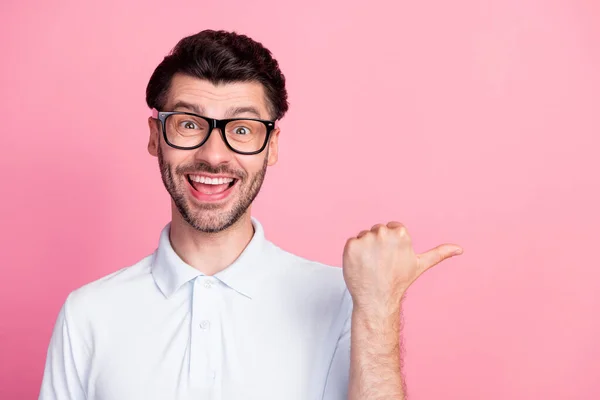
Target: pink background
(470,121)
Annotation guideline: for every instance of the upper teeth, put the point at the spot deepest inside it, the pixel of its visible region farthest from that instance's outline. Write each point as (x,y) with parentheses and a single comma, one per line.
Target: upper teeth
(210,181)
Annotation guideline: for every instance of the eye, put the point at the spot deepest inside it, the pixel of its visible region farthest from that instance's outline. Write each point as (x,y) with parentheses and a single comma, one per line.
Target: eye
(241,130)
(189,125)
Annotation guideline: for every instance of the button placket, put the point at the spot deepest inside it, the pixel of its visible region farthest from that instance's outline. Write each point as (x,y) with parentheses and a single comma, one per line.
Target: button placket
(206,333)
(207,284)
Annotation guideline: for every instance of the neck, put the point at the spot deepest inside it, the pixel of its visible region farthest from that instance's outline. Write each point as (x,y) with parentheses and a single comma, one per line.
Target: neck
(210,252)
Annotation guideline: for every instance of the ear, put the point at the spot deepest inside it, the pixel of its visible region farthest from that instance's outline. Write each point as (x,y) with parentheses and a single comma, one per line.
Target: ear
(273,147)
(153,139)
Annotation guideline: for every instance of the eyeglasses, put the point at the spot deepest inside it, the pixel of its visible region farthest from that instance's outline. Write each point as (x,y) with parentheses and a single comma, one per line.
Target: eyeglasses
(188,131)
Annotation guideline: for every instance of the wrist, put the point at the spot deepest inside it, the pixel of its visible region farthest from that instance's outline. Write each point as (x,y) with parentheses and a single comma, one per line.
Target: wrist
(377,318)
(378,307)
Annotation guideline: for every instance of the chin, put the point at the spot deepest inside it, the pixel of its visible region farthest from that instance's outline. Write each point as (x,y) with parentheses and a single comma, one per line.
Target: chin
(213,220)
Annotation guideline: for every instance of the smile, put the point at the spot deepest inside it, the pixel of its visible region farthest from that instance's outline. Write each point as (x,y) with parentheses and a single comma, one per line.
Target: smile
(210,188)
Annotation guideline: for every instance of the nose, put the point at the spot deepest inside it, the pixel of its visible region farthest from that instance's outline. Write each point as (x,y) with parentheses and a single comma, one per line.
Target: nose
(214,151)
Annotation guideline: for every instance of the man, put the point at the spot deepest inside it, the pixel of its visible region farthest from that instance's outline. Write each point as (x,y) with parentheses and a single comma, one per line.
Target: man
(217,311)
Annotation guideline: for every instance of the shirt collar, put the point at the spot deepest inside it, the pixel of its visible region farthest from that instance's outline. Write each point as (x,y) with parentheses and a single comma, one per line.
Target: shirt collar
(170,272)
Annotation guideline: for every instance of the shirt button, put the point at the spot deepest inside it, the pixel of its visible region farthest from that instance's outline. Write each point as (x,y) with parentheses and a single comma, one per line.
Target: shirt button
(204,325)
(207,284)
(213,375)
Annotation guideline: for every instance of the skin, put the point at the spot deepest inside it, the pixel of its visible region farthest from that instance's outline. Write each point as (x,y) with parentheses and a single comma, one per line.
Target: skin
(378,264)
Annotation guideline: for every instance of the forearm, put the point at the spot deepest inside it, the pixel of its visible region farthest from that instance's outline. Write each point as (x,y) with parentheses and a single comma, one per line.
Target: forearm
(375,360)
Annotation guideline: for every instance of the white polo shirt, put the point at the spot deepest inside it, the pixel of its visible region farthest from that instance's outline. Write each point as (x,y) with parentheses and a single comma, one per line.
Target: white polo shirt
(270,326)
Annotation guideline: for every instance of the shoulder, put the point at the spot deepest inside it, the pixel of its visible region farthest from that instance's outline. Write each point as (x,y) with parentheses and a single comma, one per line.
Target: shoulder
(107,292)
(308,278)
(287,263)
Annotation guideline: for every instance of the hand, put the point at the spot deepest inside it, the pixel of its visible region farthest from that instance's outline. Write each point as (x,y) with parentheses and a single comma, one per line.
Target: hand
(380,264)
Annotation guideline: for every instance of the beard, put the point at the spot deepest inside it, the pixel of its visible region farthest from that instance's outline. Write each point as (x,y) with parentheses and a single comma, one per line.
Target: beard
(210,218)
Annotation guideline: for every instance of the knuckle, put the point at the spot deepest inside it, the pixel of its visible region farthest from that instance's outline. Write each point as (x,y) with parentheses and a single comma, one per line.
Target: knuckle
(362,233)
(350,245)
(403,232)
(377,227)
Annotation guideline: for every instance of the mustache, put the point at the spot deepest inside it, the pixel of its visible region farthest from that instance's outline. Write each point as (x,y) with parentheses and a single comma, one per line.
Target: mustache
(209,169)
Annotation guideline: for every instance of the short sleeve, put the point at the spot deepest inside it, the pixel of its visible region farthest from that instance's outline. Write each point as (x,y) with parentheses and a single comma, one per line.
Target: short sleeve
(336,386)
(65,362)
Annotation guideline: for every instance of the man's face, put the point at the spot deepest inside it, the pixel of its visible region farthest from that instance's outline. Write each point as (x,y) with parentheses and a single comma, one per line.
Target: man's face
(209,207)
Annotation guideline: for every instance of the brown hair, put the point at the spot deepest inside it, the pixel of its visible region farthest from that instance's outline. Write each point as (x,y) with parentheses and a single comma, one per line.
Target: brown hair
(220,57)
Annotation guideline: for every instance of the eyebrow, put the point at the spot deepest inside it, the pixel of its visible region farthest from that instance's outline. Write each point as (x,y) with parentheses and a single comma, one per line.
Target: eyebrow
(230,113)
(189,106)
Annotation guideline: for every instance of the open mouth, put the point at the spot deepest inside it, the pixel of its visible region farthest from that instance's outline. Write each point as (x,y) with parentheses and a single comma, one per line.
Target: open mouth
(210,186)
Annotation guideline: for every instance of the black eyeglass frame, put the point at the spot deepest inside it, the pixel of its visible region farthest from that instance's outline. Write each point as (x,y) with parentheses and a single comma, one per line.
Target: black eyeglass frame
(213,123)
